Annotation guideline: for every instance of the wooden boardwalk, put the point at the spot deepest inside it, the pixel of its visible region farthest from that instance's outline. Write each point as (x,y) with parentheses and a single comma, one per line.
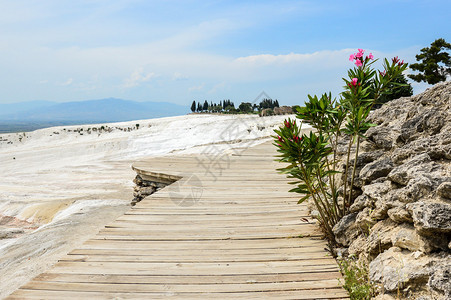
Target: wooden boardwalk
(227,229)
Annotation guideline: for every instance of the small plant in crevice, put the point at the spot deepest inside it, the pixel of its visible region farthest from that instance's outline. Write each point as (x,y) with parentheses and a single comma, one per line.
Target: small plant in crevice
(356,280)
(311,159)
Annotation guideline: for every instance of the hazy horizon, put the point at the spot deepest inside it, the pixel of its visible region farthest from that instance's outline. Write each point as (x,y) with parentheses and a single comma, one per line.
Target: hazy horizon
(33,115)
(180,51)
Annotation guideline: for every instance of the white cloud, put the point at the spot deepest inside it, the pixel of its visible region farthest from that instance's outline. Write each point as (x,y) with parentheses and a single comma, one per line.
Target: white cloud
(319,56)
(67,82)
(179,76)
(217,87)
(138,77)
(197,87)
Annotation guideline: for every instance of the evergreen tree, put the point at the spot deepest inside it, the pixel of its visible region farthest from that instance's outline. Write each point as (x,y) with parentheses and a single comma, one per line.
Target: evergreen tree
(268,103)
(193,106)
(245,107)
(435,64)
(199,107)
(254,107)
(205,107)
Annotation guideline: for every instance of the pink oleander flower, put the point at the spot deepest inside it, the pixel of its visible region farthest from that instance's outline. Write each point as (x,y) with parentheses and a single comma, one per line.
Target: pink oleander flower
(358,55)
(296,139)
(361,51)
(354,81)
(358,63)
(351,57)
(370,56)
(395,60)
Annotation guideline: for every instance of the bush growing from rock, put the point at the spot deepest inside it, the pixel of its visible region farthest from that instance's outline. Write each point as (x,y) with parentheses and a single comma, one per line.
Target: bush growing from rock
(312,159)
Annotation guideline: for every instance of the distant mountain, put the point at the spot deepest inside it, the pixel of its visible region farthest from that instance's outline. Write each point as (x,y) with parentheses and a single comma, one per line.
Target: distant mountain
(103,110)
(13,108)
(41,113)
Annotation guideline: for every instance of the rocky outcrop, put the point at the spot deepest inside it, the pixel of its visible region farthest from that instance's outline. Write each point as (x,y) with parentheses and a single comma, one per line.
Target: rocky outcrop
(145,187)
(283,110)
(401,221)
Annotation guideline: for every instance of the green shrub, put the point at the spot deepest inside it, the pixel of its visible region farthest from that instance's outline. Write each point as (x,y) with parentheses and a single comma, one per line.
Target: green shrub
(311,159)
(356,280)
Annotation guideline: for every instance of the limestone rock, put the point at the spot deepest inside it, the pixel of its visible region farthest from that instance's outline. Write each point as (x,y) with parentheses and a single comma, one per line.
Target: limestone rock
(364,221)
(381,136)
(440,279)
(431,218)
(283,110)
(397,269)
(370,194)
(358,245)
(380,237)
(376,169)
(402,216)
(266,112)
(361,202)
(444,190)
(399,215)
(419,164)
(406,237)
(380,210)
(362,160)
(346,230)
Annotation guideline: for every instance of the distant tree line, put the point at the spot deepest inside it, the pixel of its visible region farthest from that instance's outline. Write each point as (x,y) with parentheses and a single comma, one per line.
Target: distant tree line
(227,106)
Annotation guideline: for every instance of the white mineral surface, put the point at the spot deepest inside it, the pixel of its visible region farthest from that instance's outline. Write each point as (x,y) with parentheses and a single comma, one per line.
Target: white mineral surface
(59,186)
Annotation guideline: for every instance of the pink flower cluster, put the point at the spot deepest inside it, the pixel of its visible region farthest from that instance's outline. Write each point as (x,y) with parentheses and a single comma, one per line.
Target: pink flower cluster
(288,124)
(353,84)
(297,139)
(358,57)
(396,60)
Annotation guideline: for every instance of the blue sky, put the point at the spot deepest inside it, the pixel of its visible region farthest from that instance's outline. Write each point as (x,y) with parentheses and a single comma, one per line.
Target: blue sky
(180,51)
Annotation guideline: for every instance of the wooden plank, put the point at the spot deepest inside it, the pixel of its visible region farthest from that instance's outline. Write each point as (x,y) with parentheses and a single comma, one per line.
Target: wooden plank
(224,245)
(192,258)
(243,237)
(187,279)
(143,268)
(218,253)
(177,288)
(331,293)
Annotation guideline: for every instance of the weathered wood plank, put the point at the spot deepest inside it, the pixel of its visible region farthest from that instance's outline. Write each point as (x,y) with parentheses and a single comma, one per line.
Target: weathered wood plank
(177,288)
(242,237)
(186,279)
(142,268)
(332,293)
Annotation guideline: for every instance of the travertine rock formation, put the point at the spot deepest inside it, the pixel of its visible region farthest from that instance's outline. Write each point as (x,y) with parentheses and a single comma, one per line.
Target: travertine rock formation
(400,220)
